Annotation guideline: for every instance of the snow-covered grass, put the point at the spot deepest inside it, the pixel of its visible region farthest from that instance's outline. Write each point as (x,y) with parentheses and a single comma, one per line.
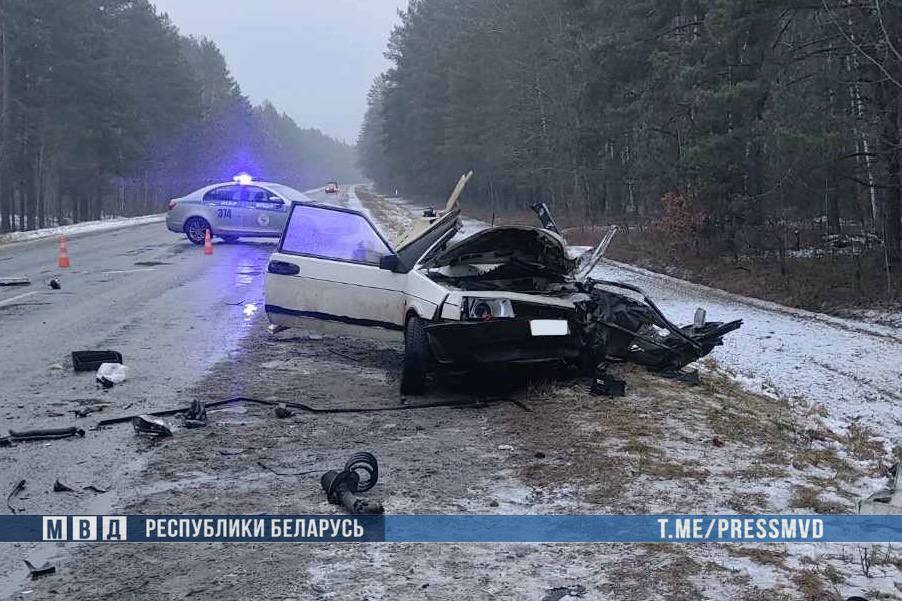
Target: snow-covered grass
(85,227)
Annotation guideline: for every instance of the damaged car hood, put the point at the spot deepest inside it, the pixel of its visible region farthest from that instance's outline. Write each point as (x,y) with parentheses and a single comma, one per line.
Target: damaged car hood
(533,248)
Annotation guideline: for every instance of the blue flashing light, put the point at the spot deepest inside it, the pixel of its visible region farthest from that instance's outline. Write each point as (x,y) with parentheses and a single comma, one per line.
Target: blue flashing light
(243,179)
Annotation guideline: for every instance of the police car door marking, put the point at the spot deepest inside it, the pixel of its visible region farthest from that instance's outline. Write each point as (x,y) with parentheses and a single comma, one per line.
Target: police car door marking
(263,219)
(224,213)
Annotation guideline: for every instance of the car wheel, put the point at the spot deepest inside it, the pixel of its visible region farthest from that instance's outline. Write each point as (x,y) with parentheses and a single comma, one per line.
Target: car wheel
(417,358)
(196,229)
(230,239)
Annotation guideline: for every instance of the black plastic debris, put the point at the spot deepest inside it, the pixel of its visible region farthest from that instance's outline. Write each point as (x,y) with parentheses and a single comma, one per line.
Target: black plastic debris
(92,360)
(15,282)
(283,412)
(360,474)
(39,572)
(196,416)
(151,426)
(60,487)
(95,489)
(605,384)
(577,591)
(19,487)
(45,434)
(55,284)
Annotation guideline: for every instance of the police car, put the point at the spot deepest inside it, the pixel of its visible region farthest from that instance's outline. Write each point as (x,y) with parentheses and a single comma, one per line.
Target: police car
(242,207)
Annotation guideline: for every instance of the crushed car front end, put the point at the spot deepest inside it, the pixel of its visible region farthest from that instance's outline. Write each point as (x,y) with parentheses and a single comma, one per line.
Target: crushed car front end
(517,296)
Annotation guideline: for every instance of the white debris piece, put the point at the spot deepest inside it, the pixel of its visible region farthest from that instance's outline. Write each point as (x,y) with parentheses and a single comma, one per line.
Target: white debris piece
(112,373)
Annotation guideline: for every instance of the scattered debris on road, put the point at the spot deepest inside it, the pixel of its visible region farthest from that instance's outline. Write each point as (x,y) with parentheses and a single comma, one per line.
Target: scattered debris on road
(342,487)
(44,434)
(330,411)
(55,284)
(607,385)
(92,360)
(196,417)
(110,374)
(283,412)
(150,426)
(13,494)
(45,569)
(60,487)
(280,473)
(556,594)
(95,489)
(16,281)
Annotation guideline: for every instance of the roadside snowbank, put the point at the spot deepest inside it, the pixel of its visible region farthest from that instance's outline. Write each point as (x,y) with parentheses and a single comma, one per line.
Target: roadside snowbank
(86,227)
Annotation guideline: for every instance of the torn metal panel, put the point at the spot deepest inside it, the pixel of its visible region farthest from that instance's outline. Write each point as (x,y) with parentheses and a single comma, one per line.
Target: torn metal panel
(616,326)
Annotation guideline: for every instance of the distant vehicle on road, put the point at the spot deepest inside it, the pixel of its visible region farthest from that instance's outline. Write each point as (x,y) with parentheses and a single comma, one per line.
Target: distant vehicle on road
(332,188)
(230,210)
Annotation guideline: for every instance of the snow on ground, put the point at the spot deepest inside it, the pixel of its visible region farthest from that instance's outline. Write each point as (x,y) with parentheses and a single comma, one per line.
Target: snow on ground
(850,368)
(85,227)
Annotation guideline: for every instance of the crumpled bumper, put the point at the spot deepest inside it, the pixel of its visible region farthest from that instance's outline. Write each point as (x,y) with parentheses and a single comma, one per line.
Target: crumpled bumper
(475,343)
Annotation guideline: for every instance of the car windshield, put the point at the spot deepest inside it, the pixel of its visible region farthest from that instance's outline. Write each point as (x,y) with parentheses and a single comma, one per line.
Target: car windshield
(333,234)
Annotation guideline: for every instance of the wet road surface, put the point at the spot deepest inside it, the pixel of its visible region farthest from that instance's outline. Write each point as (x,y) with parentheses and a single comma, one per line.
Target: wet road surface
(150,294)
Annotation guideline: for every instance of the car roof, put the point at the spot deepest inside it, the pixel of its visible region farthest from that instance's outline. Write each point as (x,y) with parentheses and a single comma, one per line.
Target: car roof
(272,186)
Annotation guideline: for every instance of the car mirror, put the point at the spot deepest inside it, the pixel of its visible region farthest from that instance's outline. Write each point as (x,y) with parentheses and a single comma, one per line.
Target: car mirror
(390,263)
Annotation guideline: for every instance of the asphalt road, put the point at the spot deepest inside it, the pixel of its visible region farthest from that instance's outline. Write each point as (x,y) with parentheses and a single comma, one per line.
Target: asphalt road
(143,291)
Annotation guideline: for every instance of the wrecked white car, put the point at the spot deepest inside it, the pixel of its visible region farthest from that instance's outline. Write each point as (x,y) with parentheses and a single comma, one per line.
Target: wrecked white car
(504,295)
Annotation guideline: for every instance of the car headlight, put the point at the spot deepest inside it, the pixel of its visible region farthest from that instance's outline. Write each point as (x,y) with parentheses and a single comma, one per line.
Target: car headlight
(483,309)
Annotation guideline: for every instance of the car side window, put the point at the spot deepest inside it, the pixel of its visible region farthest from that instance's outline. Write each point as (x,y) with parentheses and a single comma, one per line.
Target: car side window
(224,194)
(330,234)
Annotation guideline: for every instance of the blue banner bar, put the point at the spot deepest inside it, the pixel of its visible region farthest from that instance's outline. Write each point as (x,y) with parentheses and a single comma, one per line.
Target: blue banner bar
(455,528)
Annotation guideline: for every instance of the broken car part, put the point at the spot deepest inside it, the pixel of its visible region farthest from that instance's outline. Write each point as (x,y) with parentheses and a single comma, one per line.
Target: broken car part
(60,487)
(92,360)
(607,385)
(19,487)
(45,434)
(39,572)
(541,209)
(110,374)
(196,416)
(54,284)
(887,501)
(618,327)
(150,426)
(15,281)
(315,410)
(342,487)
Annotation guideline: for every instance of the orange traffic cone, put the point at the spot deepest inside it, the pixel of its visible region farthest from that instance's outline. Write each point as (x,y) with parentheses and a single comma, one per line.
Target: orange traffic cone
(208,243)
(63,261)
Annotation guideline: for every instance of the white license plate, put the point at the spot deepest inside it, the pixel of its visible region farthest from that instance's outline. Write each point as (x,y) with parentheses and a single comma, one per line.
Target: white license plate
(549,327)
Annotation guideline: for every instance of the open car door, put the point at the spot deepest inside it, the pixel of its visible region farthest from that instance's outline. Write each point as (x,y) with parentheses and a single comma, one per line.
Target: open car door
(333,264)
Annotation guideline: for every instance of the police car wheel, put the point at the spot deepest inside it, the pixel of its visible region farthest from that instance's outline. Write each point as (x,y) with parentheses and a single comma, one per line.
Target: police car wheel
(196,229)
(417,358)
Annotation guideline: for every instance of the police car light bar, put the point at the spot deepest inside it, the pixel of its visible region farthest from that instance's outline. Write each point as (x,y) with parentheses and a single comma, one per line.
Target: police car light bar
(243,179)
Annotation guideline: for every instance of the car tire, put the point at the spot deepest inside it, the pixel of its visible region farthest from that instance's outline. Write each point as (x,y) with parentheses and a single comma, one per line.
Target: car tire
(196,229)
(417,358)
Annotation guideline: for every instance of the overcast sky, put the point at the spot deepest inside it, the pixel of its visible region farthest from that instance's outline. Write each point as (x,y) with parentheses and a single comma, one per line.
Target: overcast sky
(314,59)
